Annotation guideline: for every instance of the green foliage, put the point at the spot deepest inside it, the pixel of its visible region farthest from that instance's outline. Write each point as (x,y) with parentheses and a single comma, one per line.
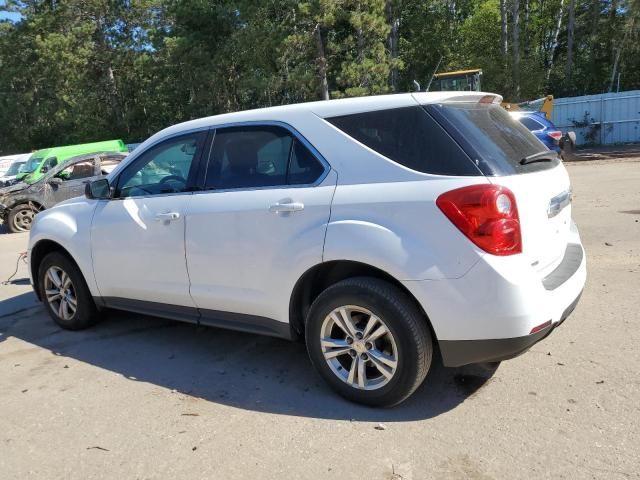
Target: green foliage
(84,70)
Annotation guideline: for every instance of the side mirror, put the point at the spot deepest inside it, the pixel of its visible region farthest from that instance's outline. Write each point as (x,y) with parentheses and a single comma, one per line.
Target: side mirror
(98,189)
(54,181)
(44,169)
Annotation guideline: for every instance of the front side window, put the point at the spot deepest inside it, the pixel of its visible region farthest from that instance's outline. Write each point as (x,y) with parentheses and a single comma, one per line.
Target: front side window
(163,169)
(48,164)
(260,156)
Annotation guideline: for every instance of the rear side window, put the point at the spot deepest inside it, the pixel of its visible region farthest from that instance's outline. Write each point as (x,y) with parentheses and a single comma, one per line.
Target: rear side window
(79,170)
(530,123)
(260,156)
(107,164)
(408,136)
(304,168)
(491,136)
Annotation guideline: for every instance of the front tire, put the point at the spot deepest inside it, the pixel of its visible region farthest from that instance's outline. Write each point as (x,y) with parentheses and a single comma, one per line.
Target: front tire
(65,293)
(369,341)
(20,218)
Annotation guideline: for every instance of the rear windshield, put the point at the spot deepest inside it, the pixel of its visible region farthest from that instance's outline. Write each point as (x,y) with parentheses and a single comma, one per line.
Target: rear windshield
(408,136)
(491,136)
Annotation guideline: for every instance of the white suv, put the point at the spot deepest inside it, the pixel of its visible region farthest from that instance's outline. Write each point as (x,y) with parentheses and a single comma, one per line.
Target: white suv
(377,229)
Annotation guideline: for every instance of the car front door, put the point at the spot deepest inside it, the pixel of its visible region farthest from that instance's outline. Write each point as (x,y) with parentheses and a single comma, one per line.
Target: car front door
(137,237)
(70,182)
(256,226)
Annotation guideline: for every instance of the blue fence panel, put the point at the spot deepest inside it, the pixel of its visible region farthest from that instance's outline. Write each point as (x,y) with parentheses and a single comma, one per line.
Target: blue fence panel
(602,119)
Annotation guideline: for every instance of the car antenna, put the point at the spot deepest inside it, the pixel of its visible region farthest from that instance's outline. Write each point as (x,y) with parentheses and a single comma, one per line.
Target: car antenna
(434,73)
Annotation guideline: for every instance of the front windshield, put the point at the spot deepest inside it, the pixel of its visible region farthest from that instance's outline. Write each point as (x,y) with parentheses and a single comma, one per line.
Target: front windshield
(14,168)
(31,164)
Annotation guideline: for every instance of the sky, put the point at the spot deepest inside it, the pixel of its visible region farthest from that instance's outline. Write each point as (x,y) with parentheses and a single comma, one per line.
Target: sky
(7,15)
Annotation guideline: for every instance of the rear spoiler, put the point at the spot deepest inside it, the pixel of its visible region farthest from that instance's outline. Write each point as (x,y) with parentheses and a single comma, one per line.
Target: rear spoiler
(459,97)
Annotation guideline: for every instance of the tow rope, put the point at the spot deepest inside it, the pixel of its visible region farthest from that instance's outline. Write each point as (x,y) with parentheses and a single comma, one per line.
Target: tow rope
(23,257)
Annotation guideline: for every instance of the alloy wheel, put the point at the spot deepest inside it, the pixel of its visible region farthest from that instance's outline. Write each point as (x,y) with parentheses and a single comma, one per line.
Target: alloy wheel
(60,293)
(23,219)
(359,347)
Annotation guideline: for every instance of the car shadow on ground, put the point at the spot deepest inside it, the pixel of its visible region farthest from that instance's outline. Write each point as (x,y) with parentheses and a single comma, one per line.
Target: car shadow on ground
(18,302)
(241,370)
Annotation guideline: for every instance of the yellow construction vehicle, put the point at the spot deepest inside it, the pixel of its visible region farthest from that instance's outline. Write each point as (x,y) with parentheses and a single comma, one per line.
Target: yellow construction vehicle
(458,81)
(469,81)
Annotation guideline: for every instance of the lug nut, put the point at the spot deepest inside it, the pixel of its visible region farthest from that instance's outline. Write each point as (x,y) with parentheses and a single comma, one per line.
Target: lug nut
(369,346)
(352,353)
(349,340)
(359,335)
(363,356)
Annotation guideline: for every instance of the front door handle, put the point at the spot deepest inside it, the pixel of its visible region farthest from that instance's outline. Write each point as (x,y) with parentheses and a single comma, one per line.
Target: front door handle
(286,207)
(167,217)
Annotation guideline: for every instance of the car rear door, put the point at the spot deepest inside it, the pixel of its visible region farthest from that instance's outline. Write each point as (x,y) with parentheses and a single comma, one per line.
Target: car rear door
(258,224)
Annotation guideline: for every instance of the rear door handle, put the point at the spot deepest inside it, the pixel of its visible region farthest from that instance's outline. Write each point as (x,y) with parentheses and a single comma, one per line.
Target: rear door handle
(286,207)
(167,217)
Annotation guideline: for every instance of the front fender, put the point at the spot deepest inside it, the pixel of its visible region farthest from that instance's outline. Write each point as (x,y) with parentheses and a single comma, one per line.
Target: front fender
(69,225)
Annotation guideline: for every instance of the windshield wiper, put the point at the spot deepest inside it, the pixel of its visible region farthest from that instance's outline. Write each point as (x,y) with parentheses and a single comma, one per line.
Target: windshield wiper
(539,157)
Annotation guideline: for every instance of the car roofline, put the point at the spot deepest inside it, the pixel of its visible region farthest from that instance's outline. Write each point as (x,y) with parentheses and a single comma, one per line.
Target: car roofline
(322,109)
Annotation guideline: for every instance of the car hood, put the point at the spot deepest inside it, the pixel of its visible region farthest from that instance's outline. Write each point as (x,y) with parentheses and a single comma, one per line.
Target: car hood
(14,188)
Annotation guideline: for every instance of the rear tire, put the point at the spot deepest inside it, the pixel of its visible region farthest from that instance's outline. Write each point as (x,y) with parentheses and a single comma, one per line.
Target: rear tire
(369,341)
(65,293)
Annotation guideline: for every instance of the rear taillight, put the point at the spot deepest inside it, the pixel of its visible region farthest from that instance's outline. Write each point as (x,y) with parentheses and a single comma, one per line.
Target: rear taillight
(487,215)
(555,134)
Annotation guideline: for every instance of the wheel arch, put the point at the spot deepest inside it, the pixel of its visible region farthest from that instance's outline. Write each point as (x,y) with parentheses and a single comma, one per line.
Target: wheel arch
(25,200)
(321,276)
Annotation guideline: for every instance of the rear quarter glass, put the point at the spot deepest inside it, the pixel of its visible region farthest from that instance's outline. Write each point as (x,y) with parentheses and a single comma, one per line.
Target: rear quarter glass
(495,140)
(410,137)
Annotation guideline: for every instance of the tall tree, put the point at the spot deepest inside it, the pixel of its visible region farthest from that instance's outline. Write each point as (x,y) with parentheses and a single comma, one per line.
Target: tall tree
(321,59)
(554,41)
(504,20)
(515,46)
(570,38)
(366,62)
(393,18)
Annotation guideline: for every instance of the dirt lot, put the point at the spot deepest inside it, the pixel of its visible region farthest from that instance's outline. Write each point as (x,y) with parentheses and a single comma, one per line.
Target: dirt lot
(137,397)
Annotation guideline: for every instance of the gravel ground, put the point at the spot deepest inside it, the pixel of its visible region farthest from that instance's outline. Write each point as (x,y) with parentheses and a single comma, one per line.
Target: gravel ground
(137,397)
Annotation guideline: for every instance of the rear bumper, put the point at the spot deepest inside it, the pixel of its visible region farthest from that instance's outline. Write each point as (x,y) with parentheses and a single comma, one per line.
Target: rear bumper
(456,353)
(489,313)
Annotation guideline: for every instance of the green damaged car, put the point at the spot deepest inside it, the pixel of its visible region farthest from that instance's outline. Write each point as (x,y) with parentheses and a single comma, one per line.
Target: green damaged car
(41,161)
